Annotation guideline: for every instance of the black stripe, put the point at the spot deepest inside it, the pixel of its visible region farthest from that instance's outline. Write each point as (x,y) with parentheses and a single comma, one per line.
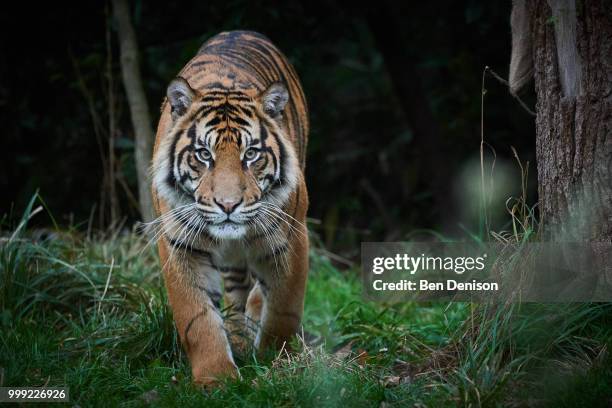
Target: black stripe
(221,94)
(264,286)
(191,133)
(186,247)
(225,269)
(193,319)
(215,297)
(200,63)
(203,111)
(192,166)
(212,97)
(232,288)
(275,252)
(214,121)
(282,153)
(234,58)
(231,274)
(242,54)
(245,110)
(240,98)
(235,279)
(171,180)
(275,161)
(228,108)
(268,48)
(264,60)
(215,85)
(240,121)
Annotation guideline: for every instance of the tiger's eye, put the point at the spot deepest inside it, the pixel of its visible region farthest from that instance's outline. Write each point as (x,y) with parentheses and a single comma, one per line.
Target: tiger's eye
(250,154)
(203,155)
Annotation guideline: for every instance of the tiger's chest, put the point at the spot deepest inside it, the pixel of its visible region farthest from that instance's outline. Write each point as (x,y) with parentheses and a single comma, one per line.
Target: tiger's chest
(231,253)
(235,254)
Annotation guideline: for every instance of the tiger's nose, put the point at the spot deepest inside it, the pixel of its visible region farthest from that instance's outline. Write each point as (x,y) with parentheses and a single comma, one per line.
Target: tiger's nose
(228,205)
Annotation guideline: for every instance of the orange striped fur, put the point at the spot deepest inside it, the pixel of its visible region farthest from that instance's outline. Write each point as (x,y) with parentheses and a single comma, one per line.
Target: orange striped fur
(231,200)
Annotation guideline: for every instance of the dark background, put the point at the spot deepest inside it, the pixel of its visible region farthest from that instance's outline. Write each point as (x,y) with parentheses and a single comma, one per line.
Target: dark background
(393,91)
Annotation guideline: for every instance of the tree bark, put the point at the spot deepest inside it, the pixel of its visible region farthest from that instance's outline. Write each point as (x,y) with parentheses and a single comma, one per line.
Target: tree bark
(572,55)
(139,109)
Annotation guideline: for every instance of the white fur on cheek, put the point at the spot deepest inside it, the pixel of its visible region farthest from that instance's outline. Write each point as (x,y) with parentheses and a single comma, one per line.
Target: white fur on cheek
(290,170)
(161,168)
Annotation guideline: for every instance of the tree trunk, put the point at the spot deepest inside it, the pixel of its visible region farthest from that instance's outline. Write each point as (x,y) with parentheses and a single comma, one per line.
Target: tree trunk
(572,57)
(139,109)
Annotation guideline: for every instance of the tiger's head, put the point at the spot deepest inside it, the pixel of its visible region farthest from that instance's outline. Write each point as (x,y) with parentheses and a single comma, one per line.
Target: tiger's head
(227,161)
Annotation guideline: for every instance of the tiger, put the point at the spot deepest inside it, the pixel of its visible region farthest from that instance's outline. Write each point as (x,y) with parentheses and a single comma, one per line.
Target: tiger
(230,198)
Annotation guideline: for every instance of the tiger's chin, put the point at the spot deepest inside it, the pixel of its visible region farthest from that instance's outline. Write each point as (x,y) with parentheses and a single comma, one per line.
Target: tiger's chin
(227,230)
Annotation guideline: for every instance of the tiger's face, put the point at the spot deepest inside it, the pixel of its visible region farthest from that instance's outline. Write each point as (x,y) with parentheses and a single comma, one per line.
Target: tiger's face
(226,165)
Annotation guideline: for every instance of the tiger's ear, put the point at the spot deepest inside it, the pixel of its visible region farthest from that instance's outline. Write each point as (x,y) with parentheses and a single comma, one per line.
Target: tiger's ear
(180,95)
(274,99)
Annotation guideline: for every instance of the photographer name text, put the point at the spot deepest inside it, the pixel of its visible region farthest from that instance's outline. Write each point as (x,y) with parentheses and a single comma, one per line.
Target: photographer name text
(425,285)
(413,264)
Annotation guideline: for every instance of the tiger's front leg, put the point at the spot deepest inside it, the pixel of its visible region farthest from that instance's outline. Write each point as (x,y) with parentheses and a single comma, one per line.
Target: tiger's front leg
(236,283)
(194,292)
(277,301)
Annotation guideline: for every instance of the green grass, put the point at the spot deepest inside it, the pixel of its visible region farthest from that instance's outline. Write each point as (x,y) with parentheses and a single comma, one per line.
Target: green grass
(91,314)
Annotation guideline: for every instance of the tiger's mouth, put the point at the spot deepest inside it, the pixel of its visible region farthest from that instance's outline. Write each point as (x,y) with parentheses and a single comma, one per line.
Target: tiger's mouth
(229,221)
(228,230)
(239,217)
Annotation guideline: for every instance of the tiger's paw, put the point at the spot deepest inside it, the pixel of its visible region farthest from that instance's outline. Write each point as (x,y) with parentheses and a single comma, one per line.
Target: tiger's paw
(210,377)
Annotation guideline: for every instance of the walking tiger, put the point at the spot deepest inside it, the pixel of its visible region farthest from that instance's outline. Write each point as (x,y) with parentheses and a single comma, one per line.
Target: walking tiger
(231,200)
